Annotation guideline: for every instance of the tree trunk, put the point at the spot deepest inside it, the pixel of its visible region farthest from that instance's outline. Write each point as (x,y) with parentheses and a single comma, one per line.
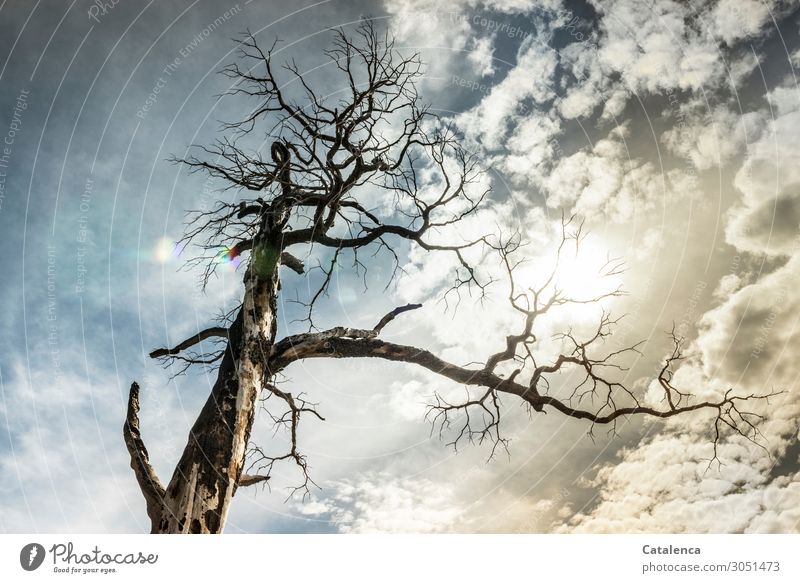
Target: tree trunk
(200,492)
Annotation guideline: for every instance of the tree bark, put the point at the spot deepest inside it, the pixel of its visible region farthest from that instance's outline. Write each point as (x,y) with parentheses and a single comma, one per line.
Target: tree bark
(198,496)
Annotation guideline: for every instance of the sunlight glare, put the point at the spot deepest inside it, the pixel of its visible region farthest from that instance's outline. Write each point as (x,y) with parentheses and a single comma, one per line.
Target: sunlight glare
(165,249)
(590,272)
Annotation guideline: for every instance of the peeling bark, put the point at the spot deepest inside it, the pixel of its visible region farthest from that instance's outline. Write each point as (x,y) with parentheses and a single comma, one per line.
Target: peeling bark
(199,494)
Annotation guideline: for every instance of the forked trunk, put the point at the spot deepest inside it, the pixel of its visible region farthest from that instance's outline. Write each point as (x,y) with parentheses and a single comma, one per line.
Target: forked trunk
(198,496)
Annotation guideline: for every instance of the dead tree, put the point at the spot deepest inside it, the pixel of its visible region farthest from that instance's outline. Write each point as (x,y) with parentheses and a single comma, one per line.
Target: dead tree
(309,193)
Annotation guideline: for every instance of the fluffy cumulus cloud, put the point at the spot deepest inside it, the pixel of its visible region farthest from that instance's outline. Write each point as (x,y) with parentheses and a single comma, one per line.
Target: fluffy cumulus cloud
(447,30)
(733,20)
(416,22)
(641,48)
(632,51)
(530,80)
(667,485)
(665,45)
(711,138)
(481,56)
(611,182)
(768,217)
(383,503)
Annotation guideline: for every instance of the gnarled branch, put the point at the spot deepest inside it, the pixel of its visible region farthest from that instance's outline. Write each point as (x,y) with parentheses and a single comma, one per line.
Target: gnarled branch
(364,343)
(215,331)
(149,484)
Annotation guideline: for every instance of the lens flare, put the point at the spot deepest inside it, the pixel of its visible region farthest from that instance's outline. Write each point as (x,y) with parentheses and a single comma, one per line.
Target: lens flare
(230,255)
(165,250)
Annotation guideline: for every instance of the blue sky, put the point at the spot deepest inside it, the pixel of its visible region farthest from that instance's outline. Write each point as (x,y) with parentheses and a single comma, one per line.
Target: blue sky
(668,126)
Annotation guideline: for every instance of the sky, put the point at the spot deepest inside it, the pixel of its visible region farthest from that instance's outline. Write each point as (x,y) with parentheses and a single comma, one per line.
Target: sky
(670,128)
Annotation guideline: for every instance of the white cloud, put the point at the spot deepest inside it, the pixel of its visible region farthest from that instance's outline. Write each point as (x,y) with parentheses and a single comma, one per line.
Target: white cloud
(443,29)
(530,79)
(655,47)
(410,399)
(768,217)
(532,145)
(380,502)
(482,56)
(608,181)
(66,461)
(711,138)
(733,20)
(664,486)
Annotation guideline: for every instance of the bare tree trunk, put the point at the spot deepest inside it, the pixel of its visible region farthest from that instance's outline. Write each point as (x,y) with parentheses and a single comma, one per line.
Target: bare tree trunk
(199,494)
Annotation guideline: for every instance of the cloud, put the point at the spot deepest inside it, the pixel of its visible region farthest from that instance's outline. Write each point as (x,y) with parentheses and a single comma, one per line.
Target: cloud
(531,145)
(712,138)
(734,20)
(664,486)
(531,79)
(767,218)
(609,182)
(60,477)
(667,483)
(63,465)
(482,56)
(383,503)
(656,46)
(639,48)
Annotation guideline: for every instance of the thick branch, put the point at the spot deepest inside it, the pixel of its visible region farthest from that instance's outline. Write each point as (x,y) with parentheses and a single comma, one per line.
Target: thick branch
(363,344)
(251,480)
(150,485)
(196,339)
(292,263)
(352,343)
